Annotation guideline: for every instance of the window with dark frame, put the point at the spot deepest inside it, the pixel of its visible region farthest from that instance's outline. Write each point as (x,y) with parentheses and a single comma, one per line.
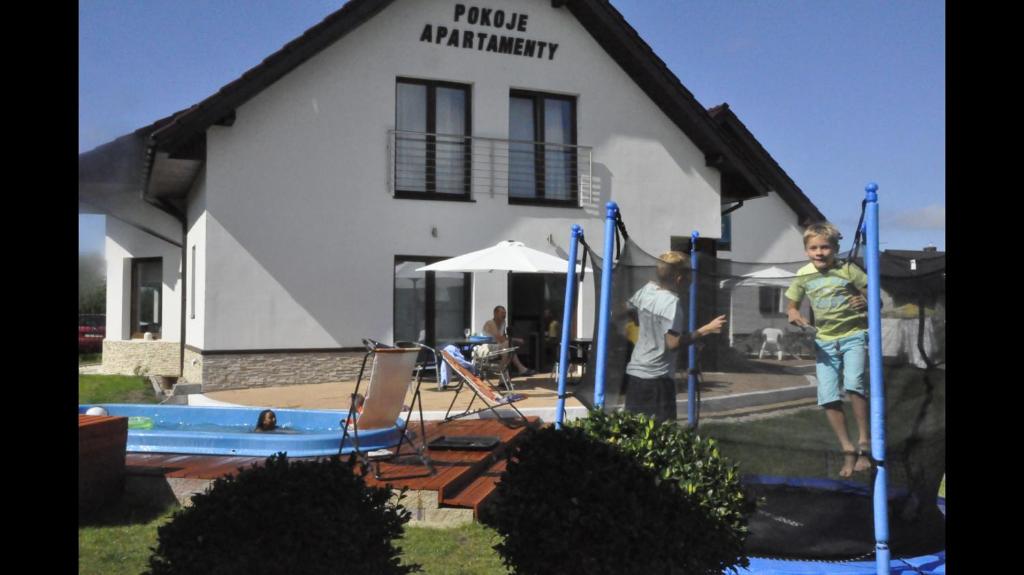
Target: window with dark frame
(770,301)
(146,297)
(429,307)
(542,149)
(432,145)
(725,243)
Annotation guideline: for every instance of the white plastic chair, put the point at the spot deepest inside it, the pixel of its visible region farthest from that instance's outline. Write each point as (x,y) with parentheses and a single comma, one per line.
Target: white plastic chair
(772,336)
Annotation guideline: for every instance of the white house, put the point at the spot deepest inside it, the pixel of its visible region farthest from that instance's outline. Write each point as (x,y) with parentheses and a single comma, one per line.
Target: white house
(262,233)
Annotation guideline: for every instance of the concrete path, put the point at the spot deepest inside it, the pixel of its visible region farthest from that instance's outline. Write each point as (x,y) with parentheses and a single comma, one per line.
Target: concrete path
(541,393)
(782,384)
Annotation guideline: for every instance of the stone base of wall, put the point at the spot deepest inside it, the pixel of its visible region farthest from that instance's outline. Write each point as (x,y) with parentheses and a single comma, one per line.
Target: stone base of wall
(193,366)
(141,357)
(222,371)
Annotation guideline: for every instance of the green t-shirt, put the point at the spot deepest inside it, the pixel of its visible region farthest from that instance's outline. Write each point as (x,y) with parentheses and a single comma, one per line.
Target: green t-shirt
(830,298)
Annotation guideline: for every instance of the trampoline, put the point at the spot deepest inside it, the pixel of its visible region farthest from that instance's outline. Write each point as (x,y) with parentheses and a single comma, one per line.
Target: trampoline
(813,514)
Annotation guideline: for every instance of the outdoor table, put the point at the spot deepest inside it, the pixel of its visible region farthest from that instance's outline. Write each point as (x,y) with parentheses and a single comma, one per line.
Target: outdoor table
(466,345)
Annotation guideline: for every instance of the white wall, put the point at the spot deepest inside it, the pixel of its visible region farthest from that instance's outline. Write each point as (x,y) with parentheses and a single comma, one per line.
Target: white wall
(123,243)
(196,261)
(301,231)
(766,230)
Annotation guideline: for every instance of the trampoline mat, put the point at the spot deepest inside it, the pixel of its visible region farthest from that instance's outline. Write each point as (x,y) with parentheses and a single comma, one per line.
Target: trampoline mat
(830,524)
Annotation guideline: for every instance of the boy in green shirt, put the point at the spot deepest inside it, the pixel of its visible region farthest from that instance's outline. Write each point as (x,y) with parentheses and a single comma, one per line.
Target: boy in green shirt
(834,291)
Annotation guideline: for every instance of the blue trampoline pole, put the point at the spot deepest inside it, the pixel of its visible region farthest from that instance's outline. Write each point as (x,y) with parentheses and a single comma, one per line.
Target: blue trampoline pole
(570,302)
(877,387)
(606,294)
(691,378)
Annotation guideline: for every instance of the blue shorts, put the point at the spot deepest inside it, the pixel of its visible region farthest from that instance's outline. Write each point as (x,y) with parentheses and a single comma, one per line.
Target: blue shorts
(846,356)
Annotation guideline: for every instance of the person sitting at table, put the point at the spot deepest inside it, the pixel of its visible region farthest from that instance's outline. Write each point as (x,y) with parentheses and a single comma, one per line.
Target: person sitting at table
(552,329)
(496,328)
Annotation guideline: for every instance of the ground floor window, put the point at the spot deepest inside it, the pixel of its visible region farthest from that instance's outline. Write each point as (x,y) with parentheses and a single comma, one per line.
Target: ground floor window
(146,300)
(429,307)
(771,301)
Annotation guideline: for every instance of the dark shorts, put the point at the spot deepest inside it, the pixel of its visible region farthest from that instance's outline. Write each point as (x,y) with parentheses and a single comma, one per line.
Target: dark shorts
(653,397)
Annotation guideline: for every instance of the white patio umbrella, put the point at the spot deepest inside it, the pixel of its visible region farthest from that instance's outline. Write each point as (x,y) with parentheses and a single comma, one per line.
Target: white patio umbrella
(771,276)
(506,256)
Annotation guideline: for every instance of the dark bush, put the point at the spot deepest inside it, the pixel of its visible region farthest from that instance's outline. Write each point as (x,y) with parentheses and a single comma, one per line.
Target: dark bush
(682,456)
(285,517)
(572,504)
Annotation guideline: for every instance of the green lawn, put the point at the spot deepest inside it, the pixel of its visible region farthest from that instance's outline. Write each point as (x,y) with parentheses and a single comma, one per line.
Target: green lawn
(466,550)
(115,389)
(118,542)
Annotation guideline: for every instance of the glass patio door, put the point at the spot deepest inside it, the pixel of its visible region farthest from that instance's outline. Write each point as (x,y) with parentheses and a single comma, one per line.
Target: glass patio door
(429,307)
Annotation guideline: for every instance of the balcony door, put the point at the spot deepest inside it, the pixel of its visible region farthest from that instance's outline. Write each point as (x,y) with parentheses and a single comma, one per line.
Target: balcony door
(432,146)
(542,150)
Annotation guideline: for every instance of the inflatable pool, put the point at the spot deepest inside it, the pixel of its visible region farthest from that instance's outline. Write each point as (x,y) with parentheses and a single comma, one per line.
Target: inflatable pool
(229,430)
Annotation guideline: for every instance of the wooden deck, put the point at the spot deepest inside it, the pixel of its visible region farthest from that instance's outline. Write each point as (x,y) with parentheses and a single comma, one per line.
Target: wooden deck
(462,478)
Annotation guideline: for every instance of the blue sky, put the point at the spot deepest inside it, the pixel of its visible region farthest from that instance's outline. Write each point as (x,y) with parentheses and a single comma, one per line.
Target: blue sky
(840,92)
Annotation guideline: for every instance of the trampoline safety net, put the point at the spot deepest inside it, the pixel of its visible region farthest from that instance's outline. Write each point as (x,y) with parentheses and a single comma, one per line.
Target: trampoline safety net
(757,384)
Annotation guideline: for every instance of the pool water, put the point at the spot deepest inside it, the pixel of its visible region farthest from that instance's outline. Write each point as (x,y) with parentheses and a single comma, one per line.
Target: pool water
(229,430)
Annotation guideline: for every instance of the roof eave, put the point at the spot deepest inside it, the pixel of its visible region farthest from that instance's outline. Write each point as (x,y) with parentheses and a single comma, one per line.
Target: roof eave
(221,106)
(779,180)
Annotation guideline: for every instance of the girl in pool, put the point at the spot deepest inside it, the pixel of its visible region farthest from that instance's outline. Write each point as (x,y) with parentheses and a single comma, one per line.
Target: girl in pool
(267,421)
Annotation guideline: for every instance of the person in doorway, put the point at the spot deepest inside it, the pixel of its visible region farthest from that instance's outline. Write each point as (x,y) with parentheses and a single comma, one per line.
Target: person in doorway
(651,387)
(834,290)
(552,327)
(496,328)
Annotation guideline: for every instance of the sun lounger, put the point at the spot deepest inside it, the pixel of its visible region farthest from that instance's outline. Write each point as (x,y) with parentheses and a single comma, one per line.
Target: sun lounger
(390,377)
(491,397)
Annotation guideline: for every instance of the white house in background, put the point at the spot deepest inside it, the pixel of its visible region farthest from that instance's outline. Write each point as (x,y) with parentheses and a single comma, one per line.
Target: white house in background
(259,235)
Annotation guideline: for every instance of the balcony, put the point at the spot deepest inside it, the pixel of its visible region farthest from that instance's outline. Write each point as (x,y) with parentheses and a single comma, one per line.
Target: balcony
(466,168)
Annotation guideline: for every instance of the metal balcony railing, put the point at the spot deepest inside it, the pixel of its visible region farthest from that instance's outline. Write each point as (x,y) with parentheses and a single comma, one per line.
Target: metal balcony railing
(464,167)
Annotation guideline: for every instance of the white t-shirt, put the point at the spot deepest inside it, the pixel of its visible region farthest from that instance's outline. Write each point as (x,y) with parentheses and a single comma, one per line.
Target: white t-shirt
(658,311)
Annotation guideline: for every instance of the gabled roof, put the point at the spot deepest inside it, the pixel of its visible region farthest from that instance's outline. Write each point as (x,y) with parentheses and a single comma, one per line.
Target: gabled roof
(182,135)
(766,166)
(220,106)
